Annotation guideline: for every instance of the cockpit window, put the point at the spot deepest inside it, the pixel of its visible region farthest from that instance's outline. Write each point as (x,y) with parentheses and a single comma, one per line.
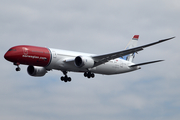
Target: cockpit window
(12,50)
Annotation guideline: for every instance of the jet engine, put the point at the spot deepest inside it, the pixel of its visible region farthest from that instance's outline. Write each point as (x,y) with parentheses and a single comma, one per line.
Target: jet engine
(36,71)
(84,62)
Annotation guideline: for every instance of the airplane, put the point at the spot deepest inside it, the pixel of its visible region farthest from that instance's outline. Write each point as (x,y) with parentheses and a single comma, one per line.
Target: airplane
(40,60)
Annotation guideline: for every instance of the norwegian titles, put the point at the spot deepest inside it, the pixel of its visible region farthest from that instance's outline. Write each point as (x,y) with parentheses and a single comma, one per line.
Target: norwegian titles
(34,57)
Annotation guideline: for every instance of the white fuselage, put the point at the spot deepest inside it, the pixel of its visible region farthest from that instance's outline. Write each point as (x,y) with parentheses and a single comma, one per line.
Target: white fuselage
(61,60)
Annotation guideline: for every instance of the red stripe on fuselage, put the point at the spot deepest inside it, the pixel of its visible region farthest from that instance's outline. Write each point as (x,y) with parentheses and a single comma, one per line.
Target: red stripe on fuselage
(29,55)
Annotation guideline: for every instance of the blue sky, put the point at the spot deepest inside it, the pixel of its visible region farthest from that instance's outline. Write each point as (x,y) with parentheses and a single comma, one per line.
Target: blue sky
(96,26)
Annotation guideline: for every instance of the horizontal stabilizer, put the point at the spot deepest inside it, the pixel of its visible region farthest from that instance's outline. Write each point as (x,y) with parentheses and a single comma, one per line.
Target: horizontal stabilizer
(145,63)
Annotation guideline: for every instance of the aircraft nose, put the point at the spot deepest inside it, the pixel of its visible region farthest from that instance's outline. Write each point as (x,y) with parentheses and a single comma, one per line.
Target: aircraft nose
(7,56)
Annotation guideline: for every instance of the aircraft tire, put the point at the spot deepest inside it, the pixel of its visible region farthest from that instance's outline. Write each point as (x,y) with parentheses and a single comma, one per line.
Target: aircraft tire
(62,78)
(85,74)
(69,79)
(18,69)
(92,75)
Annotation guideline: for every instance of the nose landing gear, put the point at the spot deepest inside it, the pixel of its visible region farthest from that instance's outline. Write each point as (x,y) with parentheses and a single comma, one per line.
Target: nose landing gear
(18,68)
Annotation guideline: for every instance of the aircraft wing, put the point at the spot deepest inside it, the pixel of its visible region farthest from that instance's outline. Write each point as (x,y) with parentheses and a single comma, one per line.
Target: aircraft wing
(101,59)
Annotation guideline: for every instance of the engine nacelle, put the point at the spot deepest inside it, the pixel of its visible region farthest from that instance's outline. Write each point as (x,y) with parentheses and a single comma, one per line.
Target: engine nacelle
(36,71)
(84,62)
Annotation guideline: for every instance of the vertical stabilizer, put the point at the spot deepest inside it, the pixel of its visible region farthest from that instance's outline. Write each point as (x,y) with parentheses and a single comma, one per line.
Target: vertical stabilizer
(131,44)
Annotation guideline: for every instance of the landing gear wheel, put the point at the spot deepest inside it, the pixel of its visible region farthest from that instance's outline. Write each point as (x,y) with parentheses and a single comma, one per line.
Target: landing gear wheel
(92,75)
(85,74)
(69,79)
(18,69)
(65,80)
(88,76)
(62,78)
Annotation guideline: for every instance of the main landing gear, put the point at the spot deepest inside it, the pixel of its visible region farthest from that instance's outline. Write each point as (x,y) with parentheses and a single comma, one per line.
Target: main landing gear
(65,78)
(18,68)
(89,74)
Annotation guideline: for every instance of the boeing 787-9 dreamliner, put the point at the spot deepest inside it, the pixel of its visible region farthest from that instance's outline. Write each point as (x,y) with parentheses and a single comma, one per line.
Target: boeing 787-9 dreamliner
(40,60)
